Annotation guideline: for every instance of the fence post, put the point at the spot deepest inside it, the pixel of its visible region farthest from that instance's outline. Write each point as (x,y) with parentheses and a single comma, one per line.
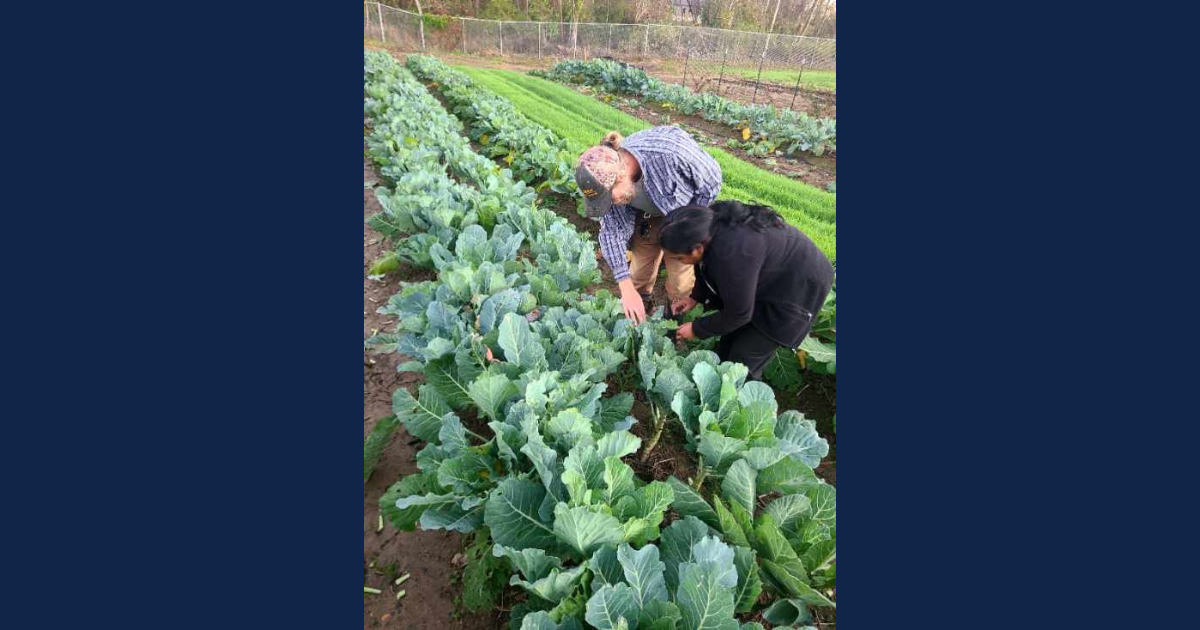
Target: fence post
(463,27)
(382,34)
(796,90)
(758,79)
(686,55)
(501,38)
(645,42)
(421,24)
(722,75)
(610,28)
(539,40)
(575,41)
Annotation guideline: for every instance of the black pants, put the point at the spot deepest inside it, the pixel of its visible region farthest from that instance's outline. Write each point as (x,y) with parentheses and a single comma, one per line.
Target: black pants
(749,347)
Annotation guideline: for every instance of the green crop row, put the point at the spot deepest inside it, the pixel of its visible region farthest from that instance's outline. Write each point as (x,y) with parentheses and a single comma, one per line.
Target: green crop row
(535,155)
(768,128)
(582,121)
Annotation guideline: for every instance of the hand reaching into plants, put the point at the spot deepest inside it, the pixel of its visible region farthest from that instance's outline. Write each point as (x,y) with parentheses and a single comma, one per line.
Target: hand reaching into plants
(685,332)
(631,302)
(682,305)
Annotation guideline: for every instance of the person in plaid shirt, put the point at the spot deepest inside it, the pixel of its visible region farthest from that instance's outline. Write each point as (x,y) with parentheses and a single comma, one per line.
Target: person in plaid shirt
(631,184)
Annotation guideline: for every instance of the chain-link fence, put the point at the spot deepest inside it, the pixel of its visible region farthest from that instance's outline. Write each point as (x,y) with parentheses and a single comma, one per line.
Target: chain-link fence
(629,42)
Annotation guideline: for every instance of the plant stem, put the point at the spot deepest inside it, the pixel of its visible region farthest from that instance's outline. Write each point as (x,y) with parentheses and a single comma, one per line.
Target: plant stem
(701,474)
(653,439)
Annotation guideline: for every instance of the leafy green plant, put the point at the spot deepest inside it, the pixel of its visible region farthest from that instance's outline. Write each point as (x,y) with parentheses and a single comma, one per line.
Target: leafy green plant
(788,549)
(770,128)
(792,538)
(376,441)
(818,351)
(531,151)
(661,378)
(819,356)
(437,22)
(484,575)
(783,371)
(690,584)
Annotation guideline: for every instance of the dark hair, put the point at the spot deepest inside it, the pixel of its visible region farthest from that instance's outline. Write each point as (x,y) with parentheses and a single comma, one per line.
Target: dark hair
(690,226)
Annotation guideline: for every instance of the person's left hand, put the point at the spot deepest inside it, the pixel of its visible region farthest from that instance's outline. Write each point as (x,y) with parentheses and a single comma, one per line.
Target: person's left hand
(685,332)
(682,305)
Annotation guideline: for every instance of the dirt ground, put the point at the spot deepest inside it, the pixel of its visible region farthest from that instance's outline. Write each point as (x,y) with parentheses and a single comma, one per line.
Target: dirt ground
(427,556)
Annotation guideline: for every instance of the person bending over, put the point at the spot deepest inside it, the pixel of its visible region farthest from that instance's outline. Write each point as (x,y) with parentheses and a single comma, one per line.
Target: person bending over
(631,184)
(765,278)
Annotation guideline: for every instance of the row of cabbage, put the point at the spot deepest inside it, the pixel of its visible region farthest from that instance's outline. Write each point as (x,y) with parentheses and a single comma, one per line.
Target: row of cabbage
(538,157)
(548,485)
(535,155)
(425,212)
(784,542)
(542,403)
(766,127)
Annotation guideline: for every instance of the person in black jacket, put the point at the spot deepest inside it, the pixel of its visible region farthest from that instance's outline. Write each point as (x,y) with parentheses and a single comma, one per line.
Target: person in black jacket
(766,279)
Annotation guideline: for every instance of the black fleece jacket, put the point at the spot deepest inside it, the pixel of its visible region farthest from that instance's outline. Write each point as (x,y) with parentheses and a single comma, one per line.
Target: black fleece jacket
(776,280)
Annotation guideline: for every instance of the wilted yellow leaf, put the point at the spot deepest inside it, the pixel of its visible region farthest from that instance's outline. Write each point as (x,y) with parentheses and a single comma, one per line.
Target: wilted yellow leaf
(746,133)
(508,159)
(483,139)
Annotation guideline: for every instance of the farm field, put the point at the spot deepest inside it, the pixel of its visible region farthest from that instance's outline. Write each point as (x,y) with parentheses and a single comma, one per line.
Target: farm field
(532,459)
(778,90)
(778,140)
(766,129)
(582,121)
(818,172)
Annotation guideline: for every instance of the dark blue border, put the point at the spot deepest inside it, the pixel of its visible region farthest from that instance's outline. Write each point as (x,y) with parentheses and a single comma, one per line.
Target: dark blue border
(190,256)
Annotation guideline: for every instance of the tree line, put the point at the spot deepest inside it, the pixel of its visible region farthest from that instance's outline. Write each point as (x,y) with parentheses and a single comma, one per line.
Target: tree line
(815,18)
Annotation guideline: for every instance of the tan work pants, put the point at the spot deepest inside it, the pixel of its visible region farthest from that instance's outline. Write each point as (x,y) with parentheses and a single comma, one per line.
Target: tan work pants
(646,255)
